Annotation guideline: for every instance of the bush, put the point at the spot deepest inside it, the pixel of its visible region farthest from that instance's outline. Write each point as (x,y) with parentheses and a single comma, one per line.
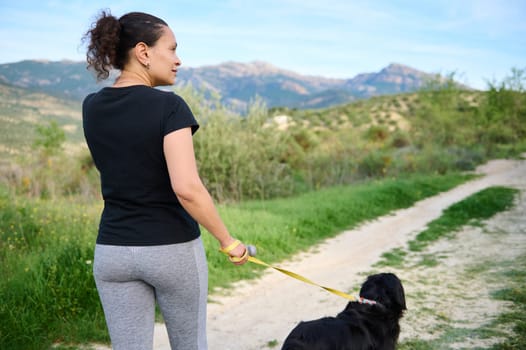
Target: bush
(375,164)
(50,138)
(239,157)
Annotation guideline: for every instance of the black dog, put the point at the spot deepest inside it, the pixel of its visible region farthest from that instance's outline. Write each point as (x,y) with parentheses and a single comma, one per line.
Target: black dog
(360,325)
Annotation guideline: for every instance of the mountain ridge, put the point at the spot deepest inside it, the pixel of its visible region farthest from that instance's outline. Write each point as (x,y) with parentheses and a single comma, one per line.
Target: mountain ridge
(237,83)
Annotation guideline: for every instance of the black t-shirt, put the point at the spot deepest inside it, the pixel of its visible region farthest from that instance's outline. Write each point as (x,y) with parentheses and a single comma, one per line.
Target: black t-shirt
(124,130)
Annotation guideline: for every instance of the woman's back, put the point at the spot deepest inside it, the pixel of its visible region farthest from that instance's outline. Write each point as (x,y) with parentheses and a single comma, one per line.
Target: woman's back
(124,129)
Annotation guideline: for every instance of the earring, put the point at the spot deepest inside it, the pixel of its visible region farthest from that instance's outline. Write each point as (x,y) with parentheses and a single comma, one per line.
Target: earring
(147,65)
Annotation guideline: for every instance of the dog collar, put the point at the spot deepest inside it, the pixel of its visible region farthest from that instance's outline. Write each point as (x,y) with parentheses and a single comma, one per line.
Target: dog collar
(366,301)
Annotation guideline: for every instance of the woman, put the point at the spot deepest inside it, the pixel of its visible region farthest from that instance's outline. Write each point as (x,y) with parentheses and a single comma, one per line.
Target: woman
(148,246)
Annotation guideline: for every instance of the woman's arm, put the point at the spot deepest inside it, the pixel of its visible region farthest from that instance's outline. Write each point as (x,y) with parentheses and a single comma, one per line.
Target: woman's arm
(190,190)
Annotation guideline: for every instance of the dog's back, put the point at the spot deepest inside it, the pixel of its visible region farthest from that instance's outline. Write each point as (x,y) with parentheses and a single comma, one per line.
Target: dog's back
(359,326)
(325,333)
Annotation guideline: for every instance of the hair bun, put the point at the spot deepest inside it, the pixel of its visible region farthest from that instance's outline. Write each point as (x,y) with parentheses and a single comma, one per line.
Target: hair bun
(110,39)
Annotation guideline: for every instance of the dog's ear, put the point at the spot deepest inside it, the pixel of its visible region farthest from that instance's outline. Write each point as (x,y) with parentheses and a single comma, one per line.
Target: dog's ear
(398,292)
(385,288)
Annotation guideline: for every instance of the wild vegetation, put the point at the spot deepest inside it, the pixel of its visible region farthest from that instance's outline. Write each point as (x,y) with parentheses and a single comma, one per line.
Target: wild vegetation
(266,154)
(282,177)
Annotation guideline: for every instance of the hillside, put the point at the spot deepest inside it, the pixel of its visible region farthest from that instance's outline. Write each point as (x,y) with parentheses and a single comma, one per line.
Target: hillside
(392,111)
(237,83)
(431,131)
(21,110)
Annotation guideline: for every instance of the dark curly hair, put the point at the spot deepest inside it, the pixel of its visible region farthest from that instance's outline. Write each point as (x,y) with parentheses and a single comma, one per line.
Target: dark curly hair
(110,39)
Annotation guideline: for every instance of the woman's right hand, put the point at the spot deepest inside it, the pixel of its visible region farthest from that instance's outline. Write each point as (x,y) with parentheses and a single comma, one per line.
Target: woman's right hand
(237,252)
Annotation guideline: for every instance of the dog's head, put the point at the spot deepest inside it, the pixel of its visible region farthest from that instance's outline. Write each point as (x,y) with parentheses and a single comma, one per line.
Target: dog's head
(386,289)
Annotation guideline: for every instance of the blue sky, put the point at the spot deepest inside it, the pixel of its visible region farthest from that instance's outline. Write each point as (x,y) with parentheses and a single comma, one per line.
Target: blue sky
(479,40)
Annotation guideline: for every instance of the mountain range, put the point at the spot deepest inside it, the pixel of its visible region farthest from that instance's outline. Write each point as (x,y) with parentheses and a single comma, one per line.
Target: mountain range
(236,83)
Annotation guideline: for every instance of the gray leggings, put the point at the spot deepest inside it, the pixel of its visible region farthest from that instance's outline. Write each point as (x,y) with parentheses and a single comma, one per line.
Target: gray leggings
(129,281)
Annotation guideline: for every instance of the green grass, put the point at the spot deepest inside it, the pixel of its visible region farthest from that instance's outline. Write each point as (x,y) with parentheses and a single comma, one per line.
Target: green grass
(449,335)
(479,206)
(46,284)
(470,211)
(394,258)
(516,318)
(46,250)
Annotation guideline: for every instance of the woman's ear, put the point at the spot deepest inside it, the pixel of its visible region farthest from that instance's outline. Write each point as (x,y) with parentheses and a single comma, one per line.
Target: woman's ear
(142,54)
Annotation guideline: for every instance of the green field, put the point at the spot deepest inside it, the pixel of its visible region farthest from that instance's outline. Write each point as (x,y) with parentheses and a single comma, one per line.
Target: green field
(283,189)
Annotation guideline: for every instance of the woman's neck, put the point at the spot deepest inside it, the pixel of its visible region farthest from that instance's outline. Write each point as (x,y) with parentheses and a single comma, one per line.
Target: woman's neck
(128,78)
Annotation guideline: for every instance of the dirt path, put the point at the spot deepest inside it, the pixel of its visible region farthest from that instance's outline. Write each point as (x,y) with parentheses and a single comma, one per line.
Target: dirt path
(259,314)
(450,302)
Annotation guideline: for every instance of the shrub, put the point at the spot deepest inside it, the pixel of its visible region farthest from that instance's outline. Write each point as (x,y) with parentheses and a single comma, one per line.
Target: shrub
(240,157)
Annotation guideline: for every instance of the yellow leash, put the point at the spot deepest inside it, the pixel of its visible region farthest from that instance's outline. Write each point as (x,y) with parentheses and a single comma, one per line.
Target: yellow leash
(254,260)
